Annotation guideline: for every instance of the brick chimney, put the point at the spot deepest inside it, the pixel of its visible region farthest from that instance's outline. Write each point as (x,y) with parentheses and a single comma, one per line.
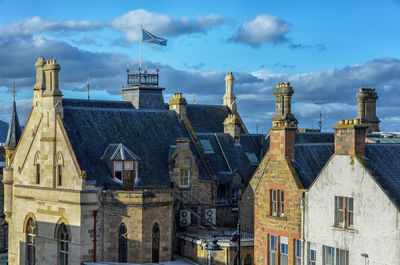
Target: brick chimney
(232,126)
(350,137)
(284,124)
(178,104)
(366,98)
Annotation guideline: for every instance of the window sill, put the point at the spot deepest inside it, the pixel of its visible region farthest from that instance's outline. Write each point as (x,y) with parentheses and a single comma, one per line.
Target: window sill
(282,218)
(235,209)
(184,187)
(345,229)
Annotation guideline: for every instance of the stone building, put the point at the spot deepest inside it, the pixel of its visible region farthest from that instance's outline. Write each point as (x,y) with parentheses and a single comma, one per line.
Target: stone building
(93,180)
(352,213)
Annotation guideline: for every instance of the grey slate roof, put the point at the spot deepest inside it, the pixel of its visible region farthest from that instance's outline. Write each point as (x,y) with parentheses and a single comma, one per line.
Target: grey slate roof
(384,162)
(118,152)
(3,131)
(314,137)
(309,159)
(14,131)
(207,118)
(91,126)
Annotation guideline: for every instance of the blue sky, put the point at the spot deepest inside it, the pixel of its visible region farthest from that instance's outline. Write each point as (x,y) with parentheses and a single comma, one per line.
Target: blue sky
(327,49)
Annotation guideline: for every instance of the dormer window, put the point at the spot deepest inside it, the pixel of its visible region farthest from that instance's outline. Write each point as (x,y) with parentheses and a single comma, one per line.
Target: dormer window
(125,164)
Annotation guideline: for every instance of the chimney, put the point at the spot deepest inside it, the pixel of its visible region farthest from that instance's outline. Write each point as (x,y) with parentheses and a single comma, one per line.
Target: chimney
(40,84)
(52,96)
(284,124)
(350,137)
(178,103)
(366,98)
(232,127)
(229,97)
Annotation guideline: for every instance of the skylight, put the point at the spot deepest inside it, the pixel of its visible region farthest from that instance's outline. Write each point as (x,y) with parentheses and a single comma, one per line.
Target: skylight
(207,146)
(252,158)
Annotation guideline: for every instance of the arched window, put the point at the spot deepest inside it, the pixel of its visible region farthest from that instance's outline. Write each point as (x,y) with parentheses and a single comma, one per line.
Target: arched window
(122,244)
(60,164)
(37,167)
(156,243)
(30,233)
(247,260)
(63,238)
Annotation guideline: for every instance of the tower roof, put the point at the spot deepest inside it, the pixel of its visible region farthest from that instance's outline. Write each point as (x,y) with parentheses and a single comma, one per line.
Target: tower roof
(14,130)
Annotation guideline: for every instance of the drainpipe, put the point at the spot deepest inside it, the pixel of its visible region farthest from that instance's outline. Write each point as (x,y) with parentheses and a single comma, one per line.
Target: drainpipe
(302,207)
(94,234)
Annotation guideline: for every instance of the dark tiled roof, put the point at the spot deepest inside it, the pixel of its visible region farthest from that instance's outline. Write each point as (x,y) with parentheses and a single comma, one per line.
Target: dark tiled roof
(91,127)
(309,159)
(384,162)
(314,137)
(14,131)
(68,102)
(207,118)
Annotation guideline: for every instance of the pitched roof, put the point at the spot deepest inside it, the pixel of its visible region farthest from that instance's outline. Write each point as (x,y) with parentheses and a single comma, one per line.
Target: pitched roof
(314,137)
(118,152)
(93,125)
(309,159)
(14,131)
(3,131)
(207,118)
(383,161)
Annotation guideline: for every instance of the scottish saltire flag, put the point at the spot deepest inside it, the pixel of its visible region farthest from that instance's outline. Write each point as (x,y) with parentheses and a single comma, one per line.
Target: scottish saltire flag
(150,38)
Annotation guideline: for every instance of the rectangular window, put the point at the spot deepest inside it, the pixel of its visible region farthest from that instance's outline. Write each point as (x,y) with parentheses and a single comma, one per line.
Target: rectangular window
(184,179)
(272,249)
(297,252)
(283,251)
(344,214)
(273,202)
(235,197)
(328,254)
(207,147)
(37,173)
(342,257)
(59,174)
(118,171)
(313,257)
(281,203)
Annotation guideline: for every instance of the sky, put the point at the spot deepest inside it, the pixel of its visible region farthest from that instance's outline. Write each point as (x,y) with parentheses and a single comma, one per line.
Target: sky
(326,49)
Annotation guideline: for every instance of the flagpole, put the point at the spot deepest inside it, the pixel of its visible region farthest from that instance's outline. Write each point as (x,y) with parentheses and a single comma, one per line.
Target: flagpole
(141,39)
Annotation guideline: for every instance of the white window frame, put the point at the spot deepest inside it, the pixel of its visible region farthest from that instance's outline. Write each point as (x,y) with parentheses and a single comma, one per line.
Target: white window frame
(342,253)
(328,255)
(184,177)
(344,212)
(297,252)
(281,202)
(283,251)
(273,249)
(273,202)
(312,249)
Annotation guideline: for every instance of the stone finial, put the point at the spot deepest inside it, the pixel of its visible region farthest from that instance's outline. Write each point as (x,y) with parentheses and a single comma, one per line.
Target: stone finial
(40,76)
(229,98)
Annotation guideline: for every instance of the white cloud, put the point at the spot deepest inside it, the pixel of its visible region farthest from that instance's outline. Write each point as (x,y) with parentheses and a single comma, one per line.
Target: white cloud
(162,25)
(262,29)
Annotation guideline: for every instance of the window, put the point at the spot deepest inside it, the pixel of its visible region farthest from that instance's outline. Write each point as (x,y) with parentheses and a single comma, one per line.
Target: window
(59,174)
(328,255)
(277,203)
(30,241)
(297,252)
(344,215)
(63,242)
(312,255)
(125,172)
(122,244)
(184,179)
(283,251)
(37,173)
(156,243)
(342,257)
(272,249)
(235,197)
(207,147)
(252,158)
(118,170)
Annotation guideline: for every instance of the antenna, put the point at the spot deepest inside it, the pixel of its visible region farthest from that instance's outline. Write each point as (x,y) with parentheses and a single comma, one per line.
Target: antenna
(14,93)
(88,88)
(320,121)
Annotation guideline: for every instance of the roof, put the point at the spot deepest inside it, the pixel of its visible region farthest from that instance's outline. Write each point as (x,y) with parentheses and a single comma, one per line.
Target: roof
(3,131)
(118,152)
(14,131)
(309,159)
(314,137)
(383,140)
(93,125)
(207,118)
(383,160)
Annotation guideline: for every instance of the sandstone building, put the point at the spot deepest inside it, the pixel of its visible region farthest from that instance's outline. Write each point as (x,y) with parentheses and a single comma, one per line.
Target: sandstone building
(93,180)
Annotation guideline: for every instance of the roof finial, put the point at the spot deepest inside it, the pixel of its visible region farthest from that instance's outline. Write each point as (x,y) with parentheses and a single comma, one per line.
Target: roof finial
(194,97)
(14,93)
(88,88)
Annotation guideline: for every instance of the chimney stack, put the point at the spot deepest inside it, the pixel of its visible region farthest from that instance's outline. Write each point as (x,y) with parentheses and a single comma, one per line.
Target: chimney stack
(229,97)
(350,137)
(232,126)
(40,84)
(178,103)
(366,98)
(284,124)
(51,70)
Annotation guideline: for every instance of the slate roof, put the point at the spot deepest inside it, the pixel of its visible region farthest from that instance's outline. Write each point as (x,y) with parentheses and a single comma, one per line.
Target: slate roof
(207,118)
(92,125)
(14,130)
(118,152)
(314,137)
(383,160)
(3,131)
(309,159)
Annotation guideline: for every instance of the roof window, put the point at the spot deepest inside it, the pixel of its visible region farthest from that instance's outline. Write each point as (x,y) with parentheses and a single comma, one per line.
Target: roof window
(252,158)
(207,146)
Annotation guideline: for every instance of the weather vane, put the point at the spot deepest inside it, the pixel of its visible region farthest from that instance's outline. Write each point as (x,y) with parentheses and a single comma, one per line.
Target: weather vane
(88,88)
